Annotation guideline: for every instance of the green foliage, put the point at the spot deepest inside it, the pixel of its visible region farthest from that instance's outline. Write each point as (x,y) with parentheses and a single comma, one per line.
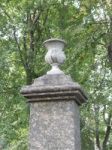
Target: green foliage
(87,28)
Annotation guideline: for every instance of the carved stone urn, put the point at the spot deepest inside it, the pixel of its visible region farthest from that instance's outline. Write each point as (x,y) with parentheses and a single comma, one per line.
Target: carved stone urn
(55,55)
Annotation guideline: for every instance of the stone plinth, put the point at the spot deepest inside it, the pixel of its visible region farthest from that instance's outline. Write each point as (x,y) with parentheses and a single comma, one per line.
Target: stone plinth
(54,112)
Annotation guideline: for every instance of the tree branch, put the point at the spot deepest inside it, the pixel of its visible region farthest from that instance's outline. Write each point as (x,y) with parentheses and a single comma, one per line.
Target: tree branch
(96,109)
(107,133)
(19,49)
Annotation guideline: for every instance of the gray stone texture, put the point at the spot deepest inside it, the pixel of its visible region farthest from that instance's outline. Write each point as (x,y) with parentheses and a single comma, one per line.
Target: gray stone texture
(54,113)
(54,126)
(54,87)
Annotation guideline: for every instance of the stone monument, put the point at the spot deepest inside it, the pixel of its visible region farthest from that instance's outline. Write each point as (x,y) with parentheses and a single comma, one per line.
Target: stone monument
(54,105)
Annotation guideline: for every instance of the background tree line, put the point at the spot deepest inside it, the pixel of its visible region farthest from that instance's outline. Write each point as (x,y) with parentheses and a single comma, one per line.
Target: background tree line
(86,25)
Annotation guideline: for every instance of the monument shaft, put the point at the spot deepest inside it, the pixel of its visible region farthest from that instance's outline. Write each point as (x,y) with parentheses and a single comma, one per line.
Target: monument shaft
(54,126)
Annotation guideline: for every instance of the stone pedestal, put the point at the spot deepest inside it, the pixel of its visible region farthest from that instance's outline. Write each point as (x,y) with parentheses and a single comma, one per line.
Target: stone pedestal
(54,113)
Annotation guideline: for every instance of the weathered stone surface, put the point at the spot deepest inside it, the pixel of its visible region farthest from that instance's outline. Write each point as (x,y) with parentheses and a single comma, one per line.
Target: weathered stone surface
(54,87)
(55,55)
(54,105)
(54,112)
(54,125)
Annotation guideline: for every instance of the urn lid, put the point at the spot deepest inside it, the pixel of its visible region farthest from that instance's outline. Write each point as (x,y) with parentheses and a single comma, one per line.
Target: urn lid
(54,40)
